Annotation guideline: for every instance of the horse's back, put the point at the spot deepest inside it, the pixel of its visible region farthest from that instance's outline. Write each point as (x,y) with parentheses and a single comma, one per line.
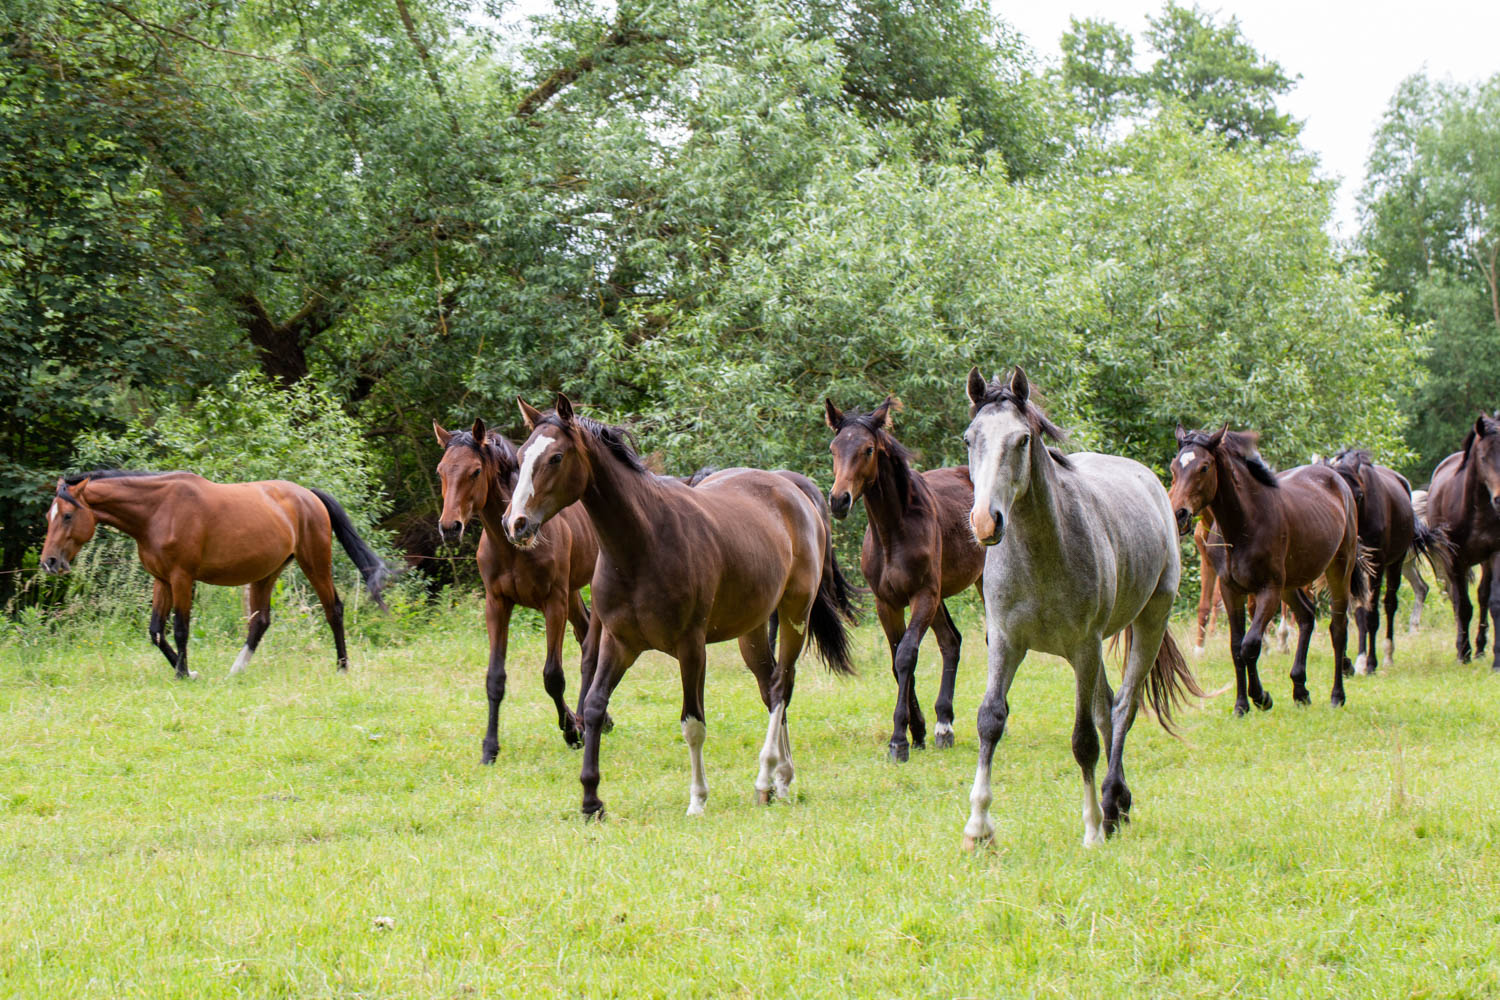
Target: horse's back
(1321,520)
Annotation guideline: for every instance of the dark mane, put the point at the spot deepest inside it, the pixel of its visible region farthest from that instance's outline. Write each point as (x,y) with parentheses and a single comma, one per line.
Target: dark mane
(498,447)
(1240,445)
(74,478)
(1491,426)
(997,392)
(619,441)
(1355,457)
(900,455)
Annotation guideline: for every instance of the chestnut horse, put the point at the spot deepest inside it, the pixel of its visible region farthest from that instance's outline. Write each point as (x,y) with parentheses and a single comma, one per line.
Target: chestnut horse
(918,549)
(1388,532)
(478,470)
(188,529)
(1272,536)
(682,566)
(1463,511)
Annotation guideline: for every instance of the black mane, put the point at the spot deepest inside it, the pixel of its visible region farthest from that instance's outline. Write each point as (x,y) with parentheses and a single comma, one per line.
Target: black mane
(1240,445)
(619,441)
(900,455)
(498,447)
(997,392)
(74,478)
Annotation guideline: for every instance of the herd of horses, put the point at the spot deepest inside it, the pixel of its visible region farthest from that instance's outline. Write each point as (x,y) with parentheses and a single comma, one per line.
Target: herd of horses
(1066,550)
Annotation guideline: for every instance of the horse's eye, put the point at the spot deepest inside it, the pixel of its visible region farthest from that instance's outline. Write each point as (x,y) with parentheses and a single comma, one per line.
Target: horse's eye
(67,517)
(555,459)
(869,451)
(474,474)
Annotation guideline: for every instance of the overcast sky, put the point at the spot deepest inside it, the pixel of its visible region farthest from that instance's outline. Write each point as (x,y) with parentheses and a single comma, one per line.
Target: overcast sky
(1350,55)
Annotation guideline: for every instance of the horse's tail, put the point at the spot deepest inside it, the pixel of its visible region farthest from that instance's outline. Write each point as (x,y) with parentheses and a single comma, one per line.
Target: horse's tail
(1170,681)
(371,567)
(1364,570)
(833,611)
(1433,545)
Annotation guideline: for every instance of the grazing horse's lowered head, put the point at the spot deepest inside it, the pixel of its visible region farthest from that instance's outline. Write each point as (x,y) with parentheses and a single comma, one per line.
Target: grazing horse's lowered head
(474,462)
(859,442)
(1195,469)
(1482,455)
(70,525)
(1004,430)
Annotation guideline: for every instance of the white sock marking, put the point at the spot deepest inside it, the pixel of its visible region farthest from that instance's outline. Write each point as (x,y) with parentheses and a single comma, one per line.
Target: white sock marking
(694,733)
(242,661)
(1361,664)
(770,752)
(979,828)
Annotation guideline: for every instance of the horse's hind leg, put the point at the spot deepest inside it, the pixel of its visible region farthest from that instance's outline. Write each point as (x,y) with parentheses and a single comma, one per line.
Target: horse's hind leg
(1088,670)
(259,600)
(1463,611)
(1367,620)
(161,608)
(1148,630)
(950,642)
(317,565)
(1482,602)
(1392,600)
(692,658)
(1493,601)
(776,770)
(1413,574)
(555,615)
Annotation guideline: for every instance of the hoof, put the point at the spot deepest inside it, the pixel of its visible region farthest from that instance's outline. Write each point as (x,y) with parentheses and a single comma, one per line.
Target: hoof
(1240,708)
(1336,699)
(190,675)
(609,723)
(573,738)
(1357,667)
(695,809)
(596,816)
(972,844)
(943,740)
(1265,703)
(763,796)
(1198,652)
(1302,697)
(488,752)
(898,754)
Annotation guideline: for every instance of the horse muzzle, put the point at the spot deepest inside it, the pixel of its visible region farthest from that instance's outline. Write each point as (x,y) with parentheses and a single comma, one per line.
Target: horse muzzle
(840,503)
(523,531)
(451,531)
(1184,520)
(988,529)
(56,565)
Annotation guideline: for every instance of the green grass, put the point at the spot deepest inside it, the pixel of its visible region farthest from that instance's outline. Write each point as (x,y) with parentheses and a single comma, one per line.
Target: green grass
(243,837)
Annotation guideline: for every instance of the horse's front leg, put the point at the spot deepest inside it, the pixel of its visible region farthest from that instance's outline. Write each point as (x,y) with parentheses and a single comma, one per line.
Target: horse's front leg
(182,613)
(1494,609)
(950,643)
(893,623)
(924,607)
(1482,602)
(555,617)
(1267,603)
(1463,611)
(994,710)
(1234,605)
(497,612)
(614,659)
(161,608)
(1088,671)
(692,658)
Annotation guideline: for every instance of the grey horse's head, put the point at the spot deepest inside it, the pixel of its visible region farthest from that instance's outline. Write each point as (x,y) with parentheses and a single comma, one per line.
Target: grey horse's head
(1005,437)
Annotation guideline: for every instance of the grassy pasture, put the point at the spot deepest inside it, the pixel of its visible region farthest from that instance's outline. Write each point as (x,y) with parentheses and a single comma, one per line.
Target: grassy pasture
(296,833)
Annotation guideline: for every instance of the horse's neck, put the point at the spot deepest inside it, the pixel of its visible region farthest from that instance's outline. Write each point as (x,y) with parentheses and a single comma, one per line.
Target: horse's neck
(1037,512)
(888,499)
(492,514)
(619,501)
(1232,507)
(124,504)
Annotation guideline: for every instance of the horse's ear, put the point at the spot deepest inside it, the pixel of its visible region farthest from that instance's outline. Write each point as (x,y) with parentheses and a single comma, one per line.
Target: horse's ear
(530,414)
(443,437)
(976,386)
(882,412)
(1218,437)
(1181,434)
(832,415)
(1020,386)
(564,407)
(78,487)
(1479,426)
(478,430)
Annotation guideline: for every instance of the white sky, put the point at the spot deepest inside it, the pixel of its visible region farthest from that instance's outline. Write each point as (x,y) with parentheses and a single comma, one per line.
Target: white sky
(1351,56)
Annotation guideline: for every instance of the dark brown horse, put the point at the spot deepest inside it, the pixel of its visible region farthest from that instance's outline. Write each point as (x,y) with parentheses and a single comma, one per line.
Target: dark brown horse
(188,529)
(1272,536)
(1388,531)
(478,471)
(918,549)
(682,566)
(1463,511)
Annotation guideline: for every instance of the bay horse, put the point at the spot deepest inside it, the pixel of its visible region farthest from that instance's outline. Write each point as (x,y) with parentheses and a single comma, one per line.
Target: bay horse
(1388,532)
(1081,547)
(188,529)
(1273,536)
(478,472)
(918,549)
(1463,511)
(682,566)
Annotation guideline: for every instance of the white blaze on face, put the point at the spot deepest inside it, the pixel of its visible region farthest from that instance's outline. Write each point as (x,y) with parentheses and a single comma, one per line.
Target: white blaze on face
(52,514)
(522,497)
(1187,458)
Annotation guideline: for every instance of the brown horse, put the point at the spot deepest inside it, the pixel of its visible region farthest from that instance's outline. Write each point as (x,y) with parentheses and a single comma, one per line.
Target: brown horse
(1272,536)
(1388,531)
(682,566)
(188,529)
(918,549)
(478,470)
(1463,511)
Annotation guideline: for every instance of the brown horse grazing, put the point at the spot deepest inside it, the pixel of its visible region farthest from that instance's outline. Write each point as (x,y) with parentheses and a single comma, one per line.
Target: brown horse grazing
(1463,512)
(682,566)
(1388,531)
(478,470)
(188,529)
(918,549)
(1272,536)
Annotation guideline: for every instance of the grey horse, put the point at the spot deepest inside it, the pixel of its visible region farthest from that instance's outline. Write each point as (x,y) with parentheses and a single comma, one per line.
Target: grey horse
(1082,547)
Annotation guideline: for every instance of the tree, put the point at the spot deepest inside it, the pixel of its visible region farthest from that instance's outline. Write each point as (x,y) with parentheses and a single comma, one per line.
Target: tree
(1222,82)
(1431,216)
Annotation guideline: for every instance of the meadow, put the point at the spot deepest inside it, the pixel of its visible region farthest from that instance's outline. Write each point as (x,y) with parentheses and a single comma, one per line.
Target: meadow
(296,833)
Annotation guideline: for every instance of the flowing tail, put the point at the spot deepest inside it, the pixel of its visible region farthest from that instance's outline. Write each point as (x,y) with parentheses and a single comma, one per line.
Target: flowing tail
(371,566)
(1170,681)
(833,611)
(1433,545)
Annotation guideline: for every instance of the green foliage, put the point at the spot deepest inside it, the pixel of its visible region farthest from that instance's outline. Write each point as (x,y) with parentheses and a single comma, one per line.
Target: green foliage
(1431,204)
(1220,81)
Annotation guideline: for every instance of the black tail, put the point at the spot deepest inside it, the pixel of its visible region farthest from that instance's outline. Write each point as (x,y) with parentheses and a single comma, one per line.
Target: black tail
(1432,544)
(371,566)
(832,613)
